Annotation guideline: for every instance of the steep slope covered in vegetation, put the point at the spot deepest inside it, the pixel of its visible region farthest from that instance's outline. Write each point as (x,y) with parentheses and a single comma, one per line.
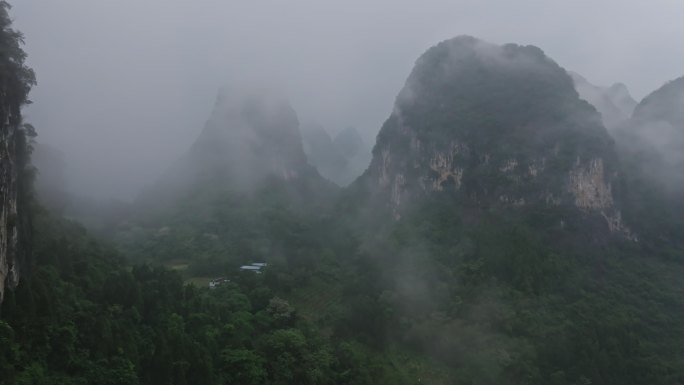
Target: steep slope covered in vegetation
(86,317)
(651,147)
(655,136)
(493,174)
(15,82)
(496,127)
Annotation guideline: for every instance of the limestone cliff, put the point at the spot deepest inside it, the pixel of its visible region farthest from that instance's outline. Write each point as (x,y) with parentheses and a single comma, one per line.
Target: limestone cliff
(9,232)
(495,126)
(15,82)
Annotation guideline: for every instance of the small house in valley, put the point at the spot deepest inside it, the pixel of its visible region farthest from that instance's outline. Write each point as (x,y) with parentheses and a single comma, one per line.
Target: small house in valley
(217,282)
(255,267)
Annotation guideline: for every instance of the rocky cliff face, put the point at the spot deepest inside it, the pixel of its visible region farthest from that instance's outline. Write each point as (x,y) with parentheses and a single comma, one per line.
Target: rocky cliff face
(9,208)
(15,83)
(614,103)
(495,126)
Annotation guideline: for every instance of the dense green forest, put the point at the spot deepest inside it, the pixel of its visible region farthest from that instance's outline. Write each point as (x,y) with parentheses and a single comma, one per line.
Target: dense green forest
(494,274)
(430,299)
(84,316)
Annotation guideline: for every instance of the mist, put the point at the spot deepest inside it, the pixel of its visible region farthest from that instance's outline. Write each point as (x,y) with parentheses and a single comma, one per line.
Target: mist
(125,87)
(307,192)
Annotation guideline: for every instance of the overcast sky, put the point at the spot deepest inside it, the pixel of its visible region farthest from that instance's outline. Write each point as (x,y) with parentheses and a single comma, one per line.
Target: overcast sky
(125,86)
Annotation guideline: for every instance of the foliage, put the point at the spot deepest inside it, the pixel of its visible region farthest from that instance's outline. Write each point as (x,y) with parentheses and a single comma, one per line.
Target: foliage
(84,316)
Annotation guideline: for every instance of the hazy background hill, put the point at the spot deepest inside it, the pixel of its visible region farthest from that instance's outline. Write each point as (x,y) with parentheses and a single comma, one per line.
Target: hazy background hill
(340,159)
(651,145)
(614,103)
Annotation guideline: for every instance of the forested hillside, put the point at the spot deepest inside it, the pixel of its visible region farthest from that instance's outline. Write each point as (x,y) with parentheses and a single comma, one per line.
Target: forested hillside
(651,147)
(503,252)
(16,80)
(85,316)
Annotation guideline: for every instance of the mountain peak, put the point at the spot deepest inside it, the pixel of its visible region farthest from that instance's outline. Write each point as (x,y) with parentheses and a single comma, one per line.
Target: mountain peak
(495,126)
(664,104)
(251,138)
(253,132)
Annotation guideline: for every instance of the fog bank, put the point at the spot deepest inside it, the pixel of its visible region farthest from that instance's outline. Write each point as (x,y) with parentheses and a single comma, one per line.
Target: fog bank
(124,87)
